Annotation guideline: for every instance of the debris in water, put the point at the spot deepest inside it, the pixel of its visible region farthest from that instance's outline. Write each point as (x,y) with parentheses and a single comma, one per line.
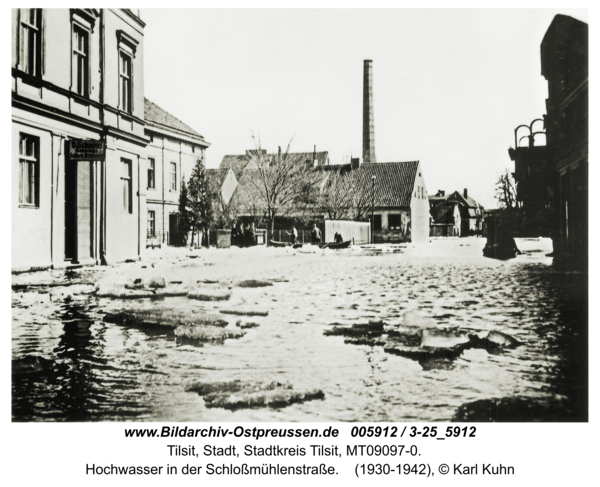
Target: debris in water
(207,333)
(159,317)
(209,295)
(237,394)
(254,283)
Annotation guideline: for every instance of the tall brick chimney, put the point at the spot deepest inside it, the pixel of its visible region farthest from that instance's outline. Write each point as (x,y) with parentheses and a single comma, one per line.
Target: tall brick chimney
(368,125)
(466,194)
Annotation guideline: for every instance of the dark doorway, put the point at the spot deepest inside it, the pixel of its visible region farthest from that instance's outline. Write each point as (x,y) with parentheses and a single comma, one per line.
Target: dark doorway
(377,223)
(71,210)
(174,229)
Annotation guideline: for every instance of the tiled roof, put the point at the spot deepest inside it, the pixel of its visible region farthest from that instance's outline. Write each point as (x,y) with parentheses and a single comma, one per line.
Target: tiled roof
(246,194)
(320,157)
(394,181)
(156,115)
(470,202)
(239,162)
(216,177)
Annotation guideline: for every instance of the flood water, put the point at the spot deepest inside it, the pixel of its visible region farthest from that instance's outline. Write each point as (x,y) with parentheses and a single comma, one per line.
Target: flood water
(108,372)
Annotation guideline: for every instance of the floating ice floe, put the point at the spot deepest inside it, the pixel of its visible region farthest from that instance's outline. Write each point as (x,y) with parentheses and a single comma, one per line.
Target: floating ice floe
(237,394)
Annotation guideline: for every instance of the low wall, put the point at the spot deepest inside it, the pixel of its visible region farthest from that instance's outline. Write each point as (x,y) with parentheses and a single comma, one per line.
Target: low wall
(357,232)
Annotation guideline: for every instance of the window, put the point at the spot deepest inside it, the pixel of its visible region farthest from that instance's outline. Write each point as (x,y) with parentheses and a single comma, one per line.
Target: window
(126,183)
(125,81)
(29,170)
(394,222)
(30,41)
(151,226)
(81,49)
(150,173)
(377,223)
(173,176)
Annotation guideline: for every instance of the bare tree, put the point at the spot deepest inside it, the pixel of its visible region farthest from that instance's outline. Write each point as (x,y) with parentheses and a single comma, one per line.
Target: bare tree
(364,197)
(283,183)
(506,192)
(336,194)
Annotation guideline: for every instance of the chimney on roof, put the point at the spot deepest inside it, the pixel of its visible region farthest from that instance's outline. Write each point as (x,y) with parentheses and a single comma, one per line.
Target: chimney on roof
(466,194)
(368,124)
(314,155)
(441,192)
(354,163)
(278,152)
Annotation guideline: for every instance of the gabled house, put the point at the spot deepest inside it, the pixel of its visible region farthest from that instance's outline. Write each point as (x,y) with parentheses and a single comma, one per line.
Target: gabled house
(445,216)
(455,215)
(471,213)
(399,199)
(173,150)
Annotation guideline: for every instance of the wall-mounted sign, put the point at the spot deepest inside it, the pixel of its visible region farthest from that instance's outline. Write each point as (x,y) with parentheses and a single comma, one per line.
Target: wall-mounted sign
(86,150)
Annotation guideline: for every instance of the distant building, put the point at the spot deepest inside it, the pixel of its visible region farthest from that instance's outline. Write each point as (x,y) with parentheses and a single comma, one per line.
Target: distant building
(455,215)
(77,74)
(173,150)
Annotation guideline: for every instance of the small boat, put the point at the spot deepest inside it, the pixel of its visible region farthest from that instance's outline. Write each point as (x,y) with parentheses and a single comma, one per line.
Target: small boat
(333,245)
(275,243)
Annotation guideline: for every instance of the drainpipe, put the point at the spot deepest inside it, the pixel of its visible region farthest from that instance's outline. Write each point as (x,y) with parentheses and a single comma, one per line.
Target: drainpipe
(51,200)
(139,198)
(163,188)
(102,169)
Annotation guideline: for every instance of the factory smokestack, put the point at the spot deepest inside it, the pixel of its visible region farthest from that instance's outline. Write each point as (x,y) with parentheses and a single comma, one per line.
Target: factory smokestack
(368,125)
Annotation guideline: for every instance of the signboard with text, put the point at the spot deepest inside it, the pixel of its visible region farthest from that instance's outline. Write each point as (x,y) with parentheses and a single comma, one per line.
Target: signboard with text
(86,150)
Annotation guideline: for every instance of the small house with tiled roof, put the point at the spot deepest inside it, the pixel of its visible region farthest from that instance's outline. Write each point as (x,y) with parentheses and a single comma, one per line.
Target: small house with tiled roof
(173,150)
(399,199)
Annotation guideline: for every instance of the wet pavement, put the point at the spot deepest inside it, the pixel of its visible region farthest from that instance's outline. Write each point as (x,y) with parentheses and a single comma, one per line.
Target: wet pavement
(71,364)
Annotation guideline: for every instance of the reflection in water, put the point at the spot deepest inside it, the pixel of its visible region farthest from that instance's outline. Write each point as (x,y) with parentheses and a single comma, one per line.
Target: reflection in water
(103,371)
(81,383)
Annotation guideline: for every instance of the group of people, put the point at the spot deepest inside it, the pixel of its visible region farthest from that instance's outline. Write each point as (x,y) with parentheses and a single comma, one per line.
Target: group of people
(315,235)
(243,235)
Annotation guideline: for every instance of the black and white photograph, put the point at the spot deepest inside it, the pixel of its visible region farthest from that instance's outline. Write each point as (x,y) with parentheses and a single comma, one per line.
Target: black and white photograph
(299,215)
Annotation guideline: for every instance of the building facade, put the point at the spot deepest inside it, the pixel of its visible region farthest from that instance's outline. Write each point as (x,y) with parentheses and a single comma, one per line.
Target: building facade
(77,74)
(564,58)
(400,204)
(173,150)
(552,179)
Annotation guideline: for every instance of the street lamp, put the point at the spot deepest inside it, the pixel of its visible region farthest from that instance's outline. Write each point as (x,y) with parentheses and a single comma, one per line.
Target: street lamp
(372,207)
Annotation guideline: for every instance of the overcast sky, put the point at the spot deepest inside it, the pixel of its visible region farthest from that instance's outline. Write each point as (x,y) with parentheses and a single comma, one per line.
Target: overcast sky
(450,86)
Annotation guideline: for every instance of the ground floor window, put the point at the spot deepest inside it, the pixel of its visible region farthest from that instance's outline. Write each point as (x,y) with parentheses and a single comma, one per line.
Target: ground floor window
(151,223)
(126,184)
(394,222)
(29,169)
